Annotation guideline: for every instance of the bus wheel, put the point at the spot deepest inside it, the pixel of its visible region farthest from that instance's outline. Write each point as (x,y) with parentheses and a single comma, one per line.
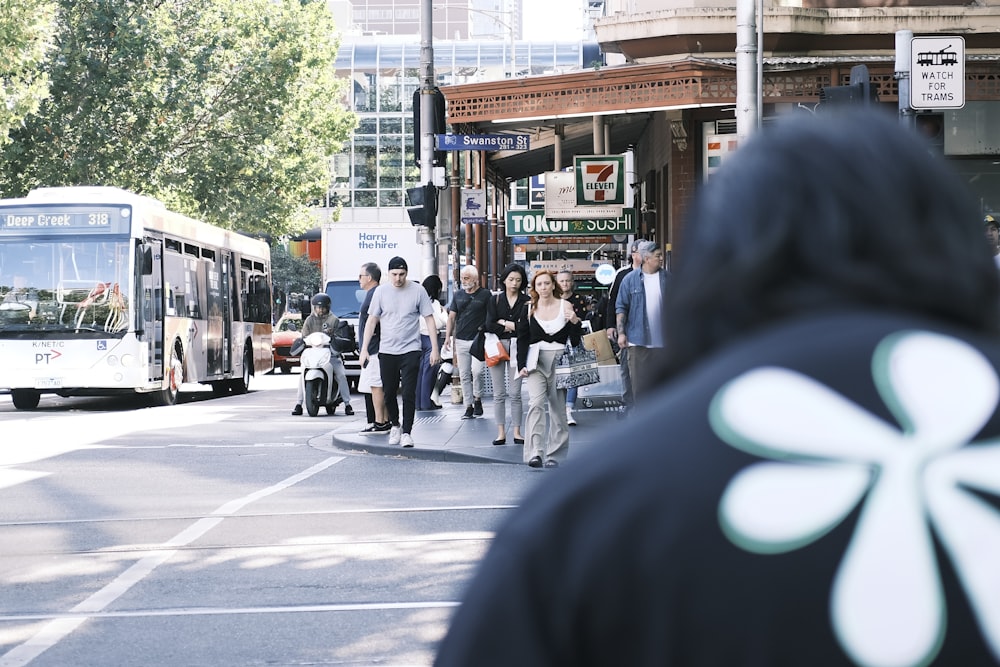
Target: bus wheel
(174,377)
(25,399)
(242,385)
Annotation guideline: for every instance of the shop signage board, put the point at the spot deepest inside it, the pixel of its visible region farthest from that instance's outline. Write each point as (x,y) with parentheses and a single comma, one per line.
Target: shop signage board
(561,200)
(576,266)
(473,206)
(600,180)
(937,73)
(535,223)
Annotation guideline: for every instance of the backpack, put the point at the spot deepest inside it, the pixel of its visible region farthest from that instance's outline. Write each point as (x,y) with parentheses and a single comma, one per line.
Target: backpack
(343,339)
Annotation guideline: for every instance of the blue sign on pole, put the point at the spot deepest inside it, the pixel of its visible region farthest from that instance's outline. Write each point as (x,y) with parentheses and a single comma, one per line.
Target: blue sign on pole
(483,142)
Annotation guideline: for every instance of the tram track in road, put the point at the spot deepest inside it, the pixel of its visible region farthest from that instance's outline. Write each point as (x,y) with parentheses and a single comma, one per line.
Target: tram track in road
(300,544)
(195,517)
(232,611)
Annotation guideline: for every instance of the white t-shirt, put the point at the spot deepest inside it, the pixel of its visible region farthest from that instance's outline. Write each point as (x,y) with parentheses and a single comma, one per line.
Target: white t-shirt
(399,310)
(654,303)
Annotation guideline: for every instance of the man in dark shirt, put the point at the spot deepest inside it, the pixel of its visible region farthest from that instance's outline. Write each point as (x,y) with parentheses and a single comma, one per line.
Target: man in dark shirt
(378,422)
(466,317)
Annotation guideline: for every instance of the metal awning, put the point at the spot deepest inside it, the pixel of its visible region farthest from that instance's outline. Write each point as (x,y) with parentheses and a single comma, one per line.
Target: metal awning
(624,131)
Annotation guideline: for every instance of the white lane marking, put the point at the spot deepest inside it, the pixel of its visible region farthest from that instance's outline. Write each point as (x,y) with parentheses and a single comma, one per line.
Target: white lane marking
(252,445)
(13,477)
(59,628)
(216,611)
(30,440)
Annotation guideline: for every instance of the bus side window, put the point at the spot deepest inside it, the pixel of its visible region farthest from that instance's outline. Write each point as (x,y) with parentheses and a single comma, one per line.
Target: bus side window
(254,297)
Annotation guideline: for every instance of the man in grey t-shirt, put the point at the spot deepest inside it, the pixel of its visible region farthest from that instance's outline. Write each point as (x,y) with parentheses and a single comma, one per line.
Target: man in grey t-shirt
(399,306)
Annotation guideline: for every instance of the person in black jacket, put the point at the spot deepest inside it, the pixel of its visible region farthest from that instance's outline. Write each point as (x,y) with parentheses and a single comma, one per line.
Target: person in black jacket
(503,312)
(466,318)
(816,480)
(378,420)
(541,340)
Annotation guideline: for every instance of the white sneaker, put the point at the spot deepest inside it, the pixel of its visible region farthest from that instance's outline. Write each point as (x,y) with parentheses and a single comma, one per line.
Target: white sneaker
(569,416)
(394,435)
(407,440)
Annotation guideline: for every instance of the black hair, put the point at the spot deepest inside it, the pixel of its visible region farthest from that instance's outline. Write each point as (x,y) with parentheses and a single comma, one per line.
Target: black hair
(371,268)
(433,285)
(821,213)
(514,268)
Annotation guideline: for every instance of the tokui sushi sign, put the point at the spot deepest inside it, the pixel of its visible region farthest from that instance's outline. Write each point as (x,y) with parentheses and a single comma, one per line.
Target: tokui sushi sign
(534,222)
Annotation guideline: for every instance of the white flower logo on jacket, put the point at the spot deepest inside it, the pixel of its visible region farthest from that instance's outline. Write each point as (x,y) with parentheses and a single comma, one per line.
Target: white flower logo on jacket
(887,603)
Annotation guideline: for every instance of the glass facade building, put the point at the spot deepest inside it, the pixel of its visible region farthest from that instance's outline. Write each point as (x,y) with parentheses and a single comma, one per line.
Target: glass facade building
(377,164)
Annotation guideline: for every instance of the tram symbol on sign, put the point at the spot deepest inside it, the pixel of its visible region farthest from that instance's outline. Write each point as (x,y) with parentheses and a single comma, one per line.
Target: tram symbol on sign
(934,58)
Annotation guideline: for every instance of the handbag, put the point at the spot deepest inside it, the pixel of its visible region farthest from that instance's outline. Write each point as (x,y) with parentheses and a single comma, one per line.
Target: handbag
(478,349)
(494,351)
(577,367)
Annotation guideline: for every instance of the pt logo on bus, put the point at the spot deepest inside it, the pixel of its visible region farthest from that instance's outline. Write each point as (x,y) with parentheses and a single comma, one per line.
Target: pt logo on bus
(47,357)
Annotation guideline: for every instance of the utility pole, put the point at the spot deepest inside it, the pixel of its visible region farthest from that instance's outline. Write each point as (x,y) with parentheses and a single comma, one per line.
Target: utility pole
(747,112)
(903,38)
(427,125)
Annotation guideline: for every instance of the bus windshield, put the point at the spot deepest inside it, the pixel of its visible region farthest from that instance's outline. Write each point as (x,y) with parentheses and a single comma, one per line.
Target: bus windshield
(65,284)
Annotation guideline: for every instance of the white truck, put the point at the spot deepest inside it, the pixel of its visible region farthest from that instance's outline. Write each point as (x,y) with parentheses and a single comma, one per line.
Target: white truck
(348,245)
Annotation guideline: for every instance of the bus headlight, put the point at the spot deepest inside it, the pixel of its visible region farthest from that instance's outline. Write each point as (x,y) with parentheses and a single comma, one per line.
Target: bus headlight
(112,360)
(128,360)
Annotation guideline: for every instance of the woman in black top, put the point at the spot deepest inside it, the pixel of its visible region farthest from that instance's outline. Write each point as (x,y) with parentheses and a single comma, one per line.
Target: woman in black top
(541,340)
(502,314)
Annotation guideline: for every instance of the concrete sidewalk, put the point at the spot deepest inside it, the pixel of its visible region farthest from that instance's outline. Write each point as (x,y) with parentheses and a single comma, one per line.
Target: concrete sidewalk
(442,435)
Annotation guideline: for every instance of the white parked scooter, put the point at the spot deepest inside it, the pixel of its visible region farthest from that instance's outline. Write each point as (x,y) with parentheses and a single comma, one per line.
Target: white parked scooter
(319,383)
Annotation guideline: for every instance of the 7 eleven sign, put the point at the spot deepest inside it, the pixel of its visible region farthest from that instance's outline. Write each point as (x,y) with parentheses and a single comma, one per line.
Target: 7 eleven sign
(600,180)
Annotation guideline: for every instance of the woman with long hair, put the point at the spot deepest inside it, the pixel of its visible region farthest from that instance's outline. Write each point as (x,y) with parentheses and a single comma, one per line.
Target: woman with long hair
(541,339)
(503,312)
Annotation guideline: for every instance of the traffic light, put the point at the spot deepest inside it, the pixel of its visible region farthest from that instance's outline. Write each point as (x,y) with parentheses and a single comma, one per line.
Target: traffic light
(930,126)
(437,99)
(859,91)
(423,212)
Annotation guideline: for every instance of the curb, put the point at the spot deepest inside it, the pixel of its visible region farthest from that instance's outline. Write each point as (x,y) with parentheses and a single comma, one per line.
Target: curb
(419,453)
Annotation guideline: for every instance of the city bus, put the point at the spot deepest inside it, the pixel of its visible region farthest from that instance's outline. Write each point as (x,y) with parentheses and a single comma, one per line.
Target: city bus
(104,292)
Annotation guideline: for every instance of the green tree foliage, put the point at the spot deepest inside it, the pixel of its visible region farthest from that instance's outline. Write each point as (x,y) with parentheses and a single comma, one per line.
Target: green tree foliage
(294,274)
(226,110)
(26,34)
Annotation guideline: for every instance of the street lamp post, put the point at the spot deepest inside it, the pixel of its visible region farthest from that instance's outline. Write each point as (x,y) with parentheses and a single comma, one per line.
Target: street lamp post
(427,125)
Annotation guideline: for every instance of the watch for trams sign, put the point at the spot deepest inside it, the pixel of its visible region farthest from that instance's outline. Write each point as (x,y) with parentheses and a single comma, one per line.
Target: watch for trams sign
(937,73)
